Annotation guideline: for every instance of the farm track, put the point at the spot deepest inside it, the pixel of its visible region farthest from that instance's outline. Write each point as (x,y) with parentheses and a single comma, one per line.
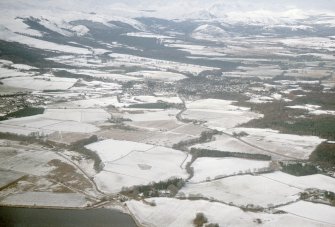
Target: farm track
(83,172)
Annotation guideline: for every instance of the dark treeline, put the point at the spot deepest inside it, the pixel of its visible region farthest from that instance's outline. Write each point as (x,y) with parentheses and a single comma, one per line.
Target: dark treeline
(215,153)
(299,169)
(25,112)
(152,190)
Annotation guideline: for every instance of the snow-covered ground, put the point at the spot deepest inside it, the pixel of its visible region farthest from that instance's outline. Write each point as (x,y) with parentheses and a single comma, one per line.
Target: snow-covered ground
(9,36)
(229,144)
(287,145)
(153,99)
(148,35)
(20,127)
(159,75)
(167,139)
(218,114)
(173,212)
(151,114)
(102,74)
(77,115)
(211,168)
(8,73)
(259,99)
(210,32)
(321,43)
(55,120)
(32,162)
(262,71)
(159,67)
(90,103)
(198,49)
(111,150)
(318,181)
(8,177)
(127,164)
(319,212)
(313,109)
(46,82)
(46,199)
(244,190)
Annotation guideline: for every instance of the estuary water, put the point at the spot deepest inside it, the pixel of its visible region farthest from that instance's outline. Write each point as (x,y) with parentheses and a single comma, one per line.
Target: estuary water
(21,217)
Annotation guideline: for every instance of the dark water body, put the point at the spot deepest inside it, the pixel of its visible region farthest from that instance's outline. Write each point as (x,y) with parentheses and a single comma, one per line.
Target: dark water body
(22,217)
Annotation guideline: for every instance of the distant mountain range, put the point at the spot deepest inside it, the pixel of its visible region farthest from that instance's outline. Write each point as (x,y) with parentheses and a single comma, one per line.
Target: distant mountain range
(34,23)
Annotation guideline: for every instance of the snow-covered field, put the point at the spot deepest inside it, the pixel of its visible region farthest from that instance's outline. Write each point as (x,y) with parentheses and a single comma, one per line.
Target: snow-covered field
(46,82)
(102,74)
(198,49)
(111,150)
(322,213)
(32,162)
(262,71)
(159,75)
(55,120)
(77,115)
(20,127)
(173,212)
(157,125)
(46,199)
(128,164)
(151,114)
(318,181)
(123,60)
(8,177)
(229,144)
(167,139)
(91,103)
(212,168)
(218,114)
(158,64)
(244,190)
(287,145)
(153,99)
(148,35)
(310,42)
(8,73)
